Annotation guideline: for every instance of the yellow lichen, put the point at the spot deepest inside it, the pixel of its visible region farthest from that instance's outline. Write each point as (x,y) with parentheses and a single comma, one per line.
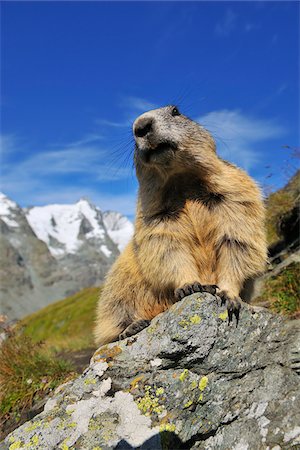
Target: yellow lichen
(195,319)
(149,403)
(15,445)
(35,439)
(151,329)
(189,403)
(33,426)
(184,323)
(200,398)
(97,448)
(183,375)
(223,315)
(193,384)
(167,427)
(11,439)
(64,446)
(159,391)
(90,381)
(203,383)
(134,383)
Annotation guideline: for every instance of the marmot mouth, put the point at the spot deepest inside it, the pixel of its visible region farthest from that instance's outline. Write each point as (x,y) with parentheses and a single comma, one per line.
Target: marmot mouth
(160,148)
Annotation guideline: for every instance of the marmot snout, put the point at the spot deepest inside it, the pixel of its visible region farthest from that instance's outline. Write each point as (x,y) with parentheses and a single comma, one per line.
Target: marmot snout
(162,135)
(199,224)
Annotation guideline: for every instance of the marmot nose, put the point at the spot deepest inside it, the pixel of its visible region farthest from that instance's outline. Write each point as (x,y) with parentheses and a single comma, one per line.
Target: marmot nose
(143,126)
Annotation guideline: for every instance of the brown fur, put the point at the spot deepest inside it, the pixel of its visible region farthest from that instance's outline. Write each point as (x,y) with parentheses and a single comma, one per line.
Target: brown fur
(198,218)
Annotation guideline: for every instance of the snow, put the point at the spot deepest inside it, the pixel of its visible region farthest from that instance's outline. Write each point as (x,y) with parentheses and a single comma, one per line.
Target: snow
(119,228)
(62,224)
(105,250)
(8,208)
(64,228)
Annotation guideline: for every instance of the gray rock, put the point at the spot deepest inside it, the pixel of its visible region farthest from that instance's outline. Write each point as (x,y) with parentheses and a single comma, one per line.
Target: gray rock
(189,381)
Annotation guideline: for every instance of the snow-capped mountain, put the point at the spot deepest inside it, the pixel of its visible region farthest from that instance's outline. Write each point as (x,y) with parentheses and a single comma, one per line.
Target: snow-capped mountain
(9,211)
(119,228)
(64,228)
(49,252)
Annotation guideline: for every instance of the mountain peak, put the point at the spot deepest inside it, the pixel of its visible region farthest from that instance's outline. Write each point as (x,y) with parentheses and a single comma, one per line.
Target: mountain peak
(8,210)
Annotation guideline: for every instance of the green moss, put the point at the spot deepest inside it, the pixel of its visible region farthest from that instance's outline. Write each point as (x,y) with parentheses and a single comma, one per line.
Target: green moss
(282,291)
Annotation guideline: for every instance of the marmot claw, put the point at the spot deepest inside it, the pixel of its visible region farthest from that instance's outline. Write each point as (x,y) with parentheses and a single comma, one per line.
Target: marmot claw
(134,328)
(188,289)
(233,305)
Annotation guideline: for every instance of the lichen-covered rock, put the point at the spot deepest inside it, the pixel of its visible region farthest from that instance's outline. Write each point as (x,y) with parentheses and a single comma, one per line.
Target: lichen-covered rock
(189,380)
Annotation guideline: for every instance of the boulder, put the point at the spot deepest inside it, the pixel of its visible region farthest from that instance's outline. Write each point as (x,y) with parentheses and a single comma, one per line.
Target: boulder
(190,380)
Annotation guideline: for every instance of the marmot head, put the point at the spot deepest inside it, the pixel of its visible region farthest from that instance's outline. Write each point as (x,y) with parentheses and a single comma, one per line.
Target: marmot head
(167,139)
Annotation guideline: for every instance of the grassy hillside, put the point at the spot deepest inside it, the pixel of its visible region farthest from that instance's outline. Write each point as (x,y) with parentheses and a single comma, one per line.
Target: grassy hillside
(279,203)
(66,324)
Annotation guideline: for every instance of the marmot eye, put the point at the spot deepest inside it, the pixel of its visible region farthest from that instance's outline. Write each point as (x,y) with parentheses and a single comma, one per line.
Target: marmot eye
(175,112)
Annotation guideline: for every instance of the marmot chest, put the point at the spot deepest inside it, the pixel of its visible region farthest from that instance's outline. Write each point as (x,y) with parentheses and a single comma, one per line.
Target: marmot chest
(194,224)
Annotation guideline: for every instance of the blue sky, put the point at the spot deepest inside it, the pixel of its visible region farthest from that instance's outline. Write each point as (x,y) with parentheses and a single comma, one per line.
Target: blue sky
(76,74)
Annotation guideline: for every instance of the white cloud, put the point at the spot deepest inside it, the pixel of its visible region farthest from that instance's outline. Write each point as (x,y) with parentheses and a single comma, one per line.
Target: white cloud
(137,104)
(225,26)
(110,123)
(134,106)
(239,137)
(64,174)
(7,143)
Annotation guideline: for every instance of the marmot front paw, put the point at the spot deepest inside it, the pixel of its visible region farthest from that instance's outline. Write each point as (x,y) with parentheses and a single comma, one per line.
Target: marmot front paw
(233,305)
(188,289)
(134,328)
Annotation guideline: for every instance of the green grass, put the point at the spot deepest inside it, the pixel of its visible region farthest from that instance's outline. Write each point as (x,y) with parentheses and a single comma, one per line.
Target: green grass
(30,366)
(67,324)
(282,291)
(28,372)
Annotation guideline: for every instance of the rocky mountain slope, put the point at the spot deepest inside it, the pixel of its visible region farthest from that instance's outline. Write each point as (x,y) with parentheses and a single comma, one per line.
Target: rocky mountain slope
(278,288)
(53,251)
(188,381)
